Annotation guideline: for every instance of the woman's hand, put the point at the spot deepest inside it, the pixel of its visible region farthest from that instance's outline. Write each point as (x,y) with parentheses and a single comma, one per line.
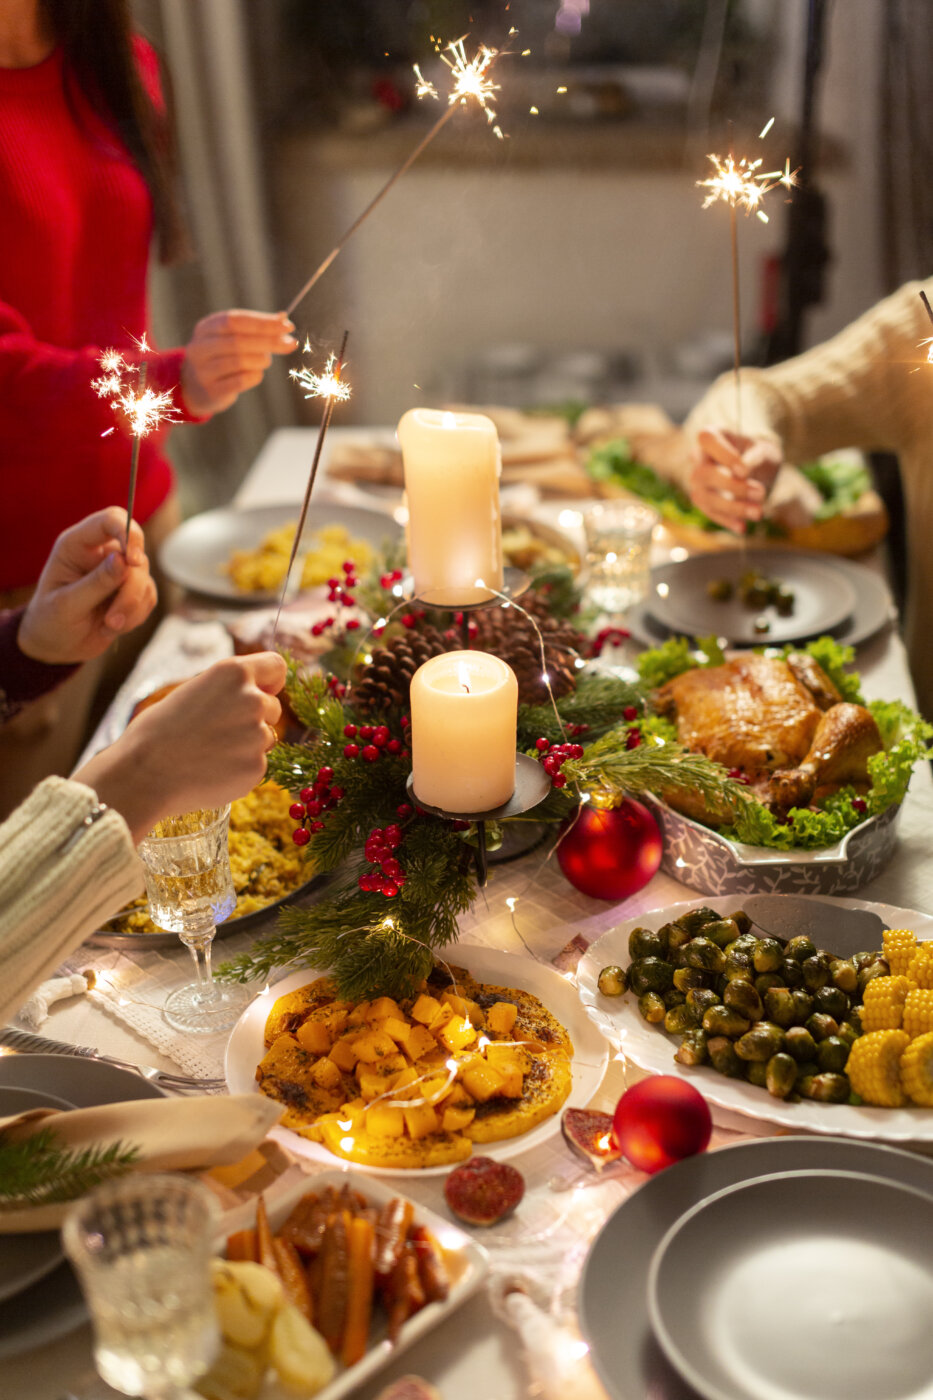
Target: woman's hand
(229,353)
(89,592)
(732,475)
(202,746)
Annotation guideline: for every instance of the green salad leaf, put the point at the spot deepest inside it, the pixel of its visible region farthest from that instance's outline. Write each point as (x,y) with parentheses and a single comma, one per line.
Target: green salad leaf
(840,483)
(613,461)
(660,664)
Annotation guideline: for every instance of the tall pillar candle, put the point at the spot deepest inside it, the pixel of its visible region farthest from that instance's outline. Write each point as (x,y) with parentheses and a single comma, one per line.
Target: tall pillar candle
(452,465)
(464,717)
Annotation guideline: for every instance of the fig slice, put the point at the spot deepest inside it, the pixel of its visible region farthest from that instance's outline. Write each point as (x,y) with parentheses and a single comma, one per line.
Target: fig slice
(589,1135)
(482,1191)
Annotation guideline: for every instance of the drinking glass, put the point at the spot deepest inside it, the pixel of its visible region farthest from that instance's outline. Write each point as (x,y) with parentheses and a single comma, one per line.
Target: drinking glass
(141,1247)
(618,553)
(190,891)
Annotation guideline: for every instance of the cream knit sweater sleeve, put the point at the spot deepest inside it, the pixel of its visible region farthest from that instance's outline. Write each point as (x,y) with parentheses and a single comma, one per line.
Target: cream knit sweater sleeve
(855,390)
(66,864)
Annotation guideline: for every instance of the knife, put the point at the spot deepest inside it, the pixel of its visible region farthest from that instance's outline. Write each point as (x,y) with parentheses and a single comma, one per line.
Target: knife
(831,926)
(28,1044)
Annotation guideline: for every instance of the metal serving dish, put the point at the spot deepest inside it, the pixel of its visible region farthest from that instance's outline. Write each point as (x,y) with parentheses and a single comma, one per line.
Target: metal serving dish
(710,863)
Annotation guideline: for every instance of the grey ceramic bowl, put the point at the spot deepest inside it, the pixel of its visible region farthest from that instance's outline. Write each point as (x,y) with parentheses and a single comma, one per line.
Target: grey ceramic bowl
(710,863)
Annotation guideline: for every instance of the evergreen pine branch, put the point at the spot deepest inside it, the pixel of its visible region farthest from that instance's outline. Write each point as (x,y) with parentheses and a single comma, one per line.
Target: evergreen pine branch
(597,703)
(37,1171)
(660,768)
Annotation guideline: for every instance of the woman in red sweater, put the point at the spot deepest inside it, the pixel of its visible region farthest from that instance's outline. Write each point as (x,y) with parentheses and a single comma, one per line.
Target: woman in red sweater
(85,180)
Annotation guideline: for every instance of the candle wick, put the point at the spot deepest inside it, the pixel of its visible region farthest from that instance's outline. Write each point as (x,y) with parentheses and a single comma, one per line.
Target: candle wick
(465,686)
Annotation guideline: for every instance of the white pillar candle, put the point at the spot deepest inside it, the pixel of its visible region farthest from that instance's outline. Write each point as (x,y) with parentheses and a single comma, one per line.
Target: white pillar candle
(464,717)
(452,465)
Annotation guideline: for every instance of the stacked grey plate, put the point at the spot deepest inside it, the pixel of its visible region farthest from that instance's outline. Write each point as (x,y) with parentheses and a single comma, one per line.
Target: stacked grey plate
(781,1269)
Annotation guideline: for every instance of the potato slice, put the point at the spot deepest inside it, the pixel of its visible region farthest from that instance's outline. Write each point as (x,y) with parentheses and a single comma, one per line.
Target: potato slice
(246,1296)
(235,1374)
(299,1354)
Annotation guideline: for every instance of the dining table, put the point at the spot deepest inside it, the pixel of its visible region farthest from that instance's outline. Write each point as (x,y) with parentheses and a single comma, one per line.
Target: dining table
(527,908)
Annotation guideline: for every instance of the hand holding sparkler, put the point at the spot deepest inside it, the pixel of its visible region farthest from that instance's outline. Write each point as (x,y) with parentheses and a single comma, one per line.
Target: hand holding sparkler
(732,475)
(89,592)
(228,353)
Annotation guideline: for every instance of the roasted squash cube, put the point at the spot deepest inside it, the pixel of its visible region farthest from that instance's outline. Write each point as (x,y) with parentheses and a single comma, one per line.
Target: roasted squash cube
(358,1014)
(501,1017)
(443,1014)
(456,1001)
(343,1053)
(314,1036)
(402,1082)
(384,1121)
(425,1009)
(326,1074)
(476,1013)
(420,1120)
(457,1034)
(397,1027)
(454,1119)
(481,1080)
(373,1046)
(418,1042)
(383,1007)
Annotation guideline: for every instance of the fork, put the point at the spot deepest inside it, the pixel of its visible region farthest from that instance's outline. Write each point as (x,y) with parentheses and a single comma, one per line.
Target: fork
(40,1045)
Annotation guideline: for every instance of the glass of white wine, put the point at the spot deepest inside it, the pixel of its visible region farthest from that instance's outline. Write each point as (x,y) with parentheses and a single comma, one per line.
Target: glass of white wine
(141,1247)
(190,891)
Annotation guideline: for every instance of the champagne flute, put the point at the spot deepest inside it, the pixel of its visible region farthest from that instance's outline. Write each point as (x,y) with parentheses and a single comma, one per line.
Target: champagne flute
(190,891)
(141,1247)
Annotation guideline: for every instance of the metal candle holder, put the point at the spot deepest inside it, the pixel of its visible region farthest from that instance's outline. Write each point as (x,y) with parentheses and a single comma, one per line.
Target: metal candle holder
(532,785)
(515,582)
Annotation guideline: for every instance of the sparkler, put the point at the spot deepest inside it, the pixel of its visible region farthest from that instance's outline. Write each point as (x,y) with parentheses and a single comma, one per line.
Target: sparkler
(143,408)
(331,388)
(928,342)
(742,184)
(471,82)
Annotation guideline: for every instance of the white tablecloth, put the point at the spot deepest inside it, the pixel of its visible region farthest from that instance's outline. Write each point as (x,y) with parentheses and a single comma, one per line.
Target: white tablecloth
(477,1353)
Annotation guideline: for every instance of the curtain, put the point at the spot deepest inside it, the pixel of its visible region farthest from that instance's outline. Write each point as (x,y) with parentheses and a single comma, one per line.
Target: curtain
(205,48)
(905,153)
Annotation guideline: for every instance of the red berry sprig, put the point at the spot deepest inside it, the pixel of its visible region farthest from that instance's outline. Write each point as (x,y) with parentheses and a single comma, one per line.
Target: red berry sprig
(608,636)
(313,805)
(554,756)
(379,850)
(388,581)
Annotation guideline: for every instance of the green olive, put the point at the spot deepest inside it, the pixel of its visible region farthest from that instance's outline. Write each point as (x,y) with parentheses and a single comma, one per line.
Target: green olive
(800,1043)
(826,1088)
(768,955)
(650,975)
(780,1075)
(742,997)
(652,1007)
(645,943)
(832,1000)
(703,953)
(800,948)
(779,1006)
(844,975)
(680,1019)
(723,1058)
(722,1020)
(822,1026)
(612,980)
(692,1049)
(687,977)
(761,1042)
(832,1054)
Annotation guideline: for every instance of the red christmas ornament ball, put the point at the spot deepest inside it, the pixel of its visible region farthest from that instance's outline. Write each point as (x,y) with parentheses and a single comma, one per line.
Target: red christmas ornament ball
(610,853)
(660,1121)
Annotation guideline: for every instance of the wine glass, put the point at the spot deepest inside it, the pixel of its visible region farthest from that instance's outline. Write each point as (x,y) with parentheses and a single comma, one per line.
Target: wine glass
(190,891)
(141,1247)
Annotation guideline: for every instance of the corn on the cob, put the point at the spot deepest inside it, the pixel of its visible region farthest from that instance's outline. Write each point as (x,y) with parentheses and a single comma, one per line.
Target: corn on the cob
(883,1003)
(873,1067)
(920,967)
(917,1070)
(898,946)
(918,1012)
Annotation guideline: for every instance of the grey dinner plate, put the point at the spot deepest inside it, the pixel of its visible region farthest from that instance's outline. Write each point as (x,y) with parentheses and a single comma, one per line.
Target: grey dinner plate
(612,1296)
(874,609)
(52,1305)
(678,596)
(197,553)
(783,1287)
(24,1259)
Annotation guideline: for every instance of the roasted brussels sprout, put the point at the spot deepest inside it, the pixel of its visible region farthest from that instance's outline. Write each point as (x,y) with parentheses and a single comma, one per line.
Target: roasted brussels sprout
(792,973)
(848,1032)
(756,1073)
(822,1026)
(650,975)
(844,975)
(612,981)
(652,1007)
(673,997)
(694,919)
(761,1042)
(826,1088)
(743,998)
(832,1054)
(645,943)
(815,973)
(779,1006)
(767,955)
(722,932)
(680,1019)
(780,1074)
(741,920)
(676,935)
(723,1058)
(739,964)
(800,948)
(692,1049)
(687,977)
(800,1043)
(831,1000)
(879,968)
(803,1003)
(701,952)
(765,980)
(722,1020)
(702,998)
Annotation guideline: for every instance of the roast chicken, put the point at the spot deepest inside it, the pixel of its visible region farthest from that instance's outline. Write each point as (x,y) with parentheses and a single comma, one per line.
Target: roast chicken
(781,725)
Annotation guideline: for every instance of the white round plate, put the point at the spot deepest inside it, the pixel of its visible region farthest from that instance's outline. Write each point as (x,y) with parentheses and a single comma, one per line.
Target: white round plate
(650,1047)
(802,1273)
(245,1048)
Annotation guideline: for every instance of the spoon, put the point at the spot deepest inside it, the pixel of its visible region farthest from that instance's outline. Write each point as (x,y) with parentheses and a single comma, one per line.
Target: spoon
(831,926)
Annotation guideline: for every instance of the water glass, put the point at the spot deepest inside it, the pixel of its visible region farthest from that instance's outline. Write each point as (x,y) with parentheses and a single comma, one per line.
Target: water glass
(190,890)
(141,1247)
(618,553)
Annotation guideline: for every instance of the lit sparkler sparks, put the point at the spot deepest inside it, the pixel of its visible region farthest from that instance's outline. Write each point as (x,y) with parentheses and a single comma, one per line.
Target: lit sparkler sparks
(743,184)
(929,341)
(471,82)
(328,385)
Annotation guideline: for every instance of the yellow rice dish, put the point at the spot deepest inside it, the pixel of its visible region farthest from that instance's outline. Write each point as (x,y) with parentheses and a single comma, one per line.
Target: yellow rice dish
(262,570)
(264,860)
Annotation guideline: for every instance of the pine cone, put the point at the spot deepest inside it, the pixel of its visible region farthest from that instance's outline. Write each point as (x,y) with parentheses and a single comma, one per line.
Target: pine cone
(384,683)
(510,635)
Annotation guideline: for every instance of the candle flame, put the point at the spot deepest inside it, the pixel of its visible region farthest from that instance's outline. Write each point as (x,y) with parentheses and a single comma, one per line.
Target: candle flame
(328,385)
(463,676)
(448,420)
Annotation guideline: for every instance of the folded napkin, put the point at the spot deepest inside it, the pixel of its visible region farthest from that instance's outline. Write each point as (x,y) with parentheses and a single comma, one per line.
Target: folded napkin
(169,1134)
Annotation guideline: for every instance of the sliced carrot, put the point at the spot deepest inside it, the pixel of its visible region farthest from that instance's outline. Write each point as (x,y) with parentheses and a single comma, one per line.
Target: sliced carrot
(243,1244)
(264,1232)
(294,1279)
(360,1299)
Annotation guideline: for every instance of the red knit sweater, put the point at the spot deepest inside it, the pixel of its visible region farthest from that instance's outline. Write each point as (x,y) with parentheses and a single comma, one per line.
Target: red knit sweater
(75,227)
